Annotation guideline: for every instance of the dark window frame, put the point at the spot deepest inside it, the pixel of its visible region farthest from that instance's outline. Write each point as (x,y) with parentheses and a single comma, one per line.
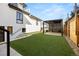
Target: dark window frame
(19,17)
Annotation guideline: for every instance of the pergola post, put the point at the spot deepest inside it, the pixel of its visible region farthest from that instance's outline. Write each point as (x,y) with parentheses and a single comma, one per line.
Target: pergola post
(43,27)
(62,28)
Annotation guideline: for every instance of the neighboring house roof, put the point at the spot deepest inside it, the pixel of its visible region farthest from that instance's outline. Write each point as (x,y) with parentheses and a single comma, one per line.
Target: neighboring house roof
(35,18)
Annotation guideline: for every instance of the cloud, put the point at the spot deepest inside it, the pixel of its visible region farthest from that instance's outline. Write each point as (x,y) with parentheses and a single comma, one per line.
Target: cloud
(55,11)
(51,11)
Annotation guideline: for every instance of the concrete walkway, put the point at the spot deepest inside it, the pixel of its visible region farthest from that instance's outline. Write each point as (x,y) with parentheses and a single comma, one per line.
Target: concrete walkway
(24,36)
(3,51)
(3,47)
(53,33)
(73,46)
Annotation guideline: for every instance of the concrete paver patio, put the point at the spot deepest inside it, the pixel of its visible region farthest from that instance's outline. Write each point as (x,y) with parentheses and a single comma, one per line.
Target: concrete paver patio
(3,47)
(53,33)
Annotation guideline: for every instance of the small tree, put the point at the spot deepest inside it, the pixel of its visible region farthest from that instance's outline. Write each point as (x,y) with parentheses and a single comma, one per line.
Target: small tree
(72,14)
(24,5)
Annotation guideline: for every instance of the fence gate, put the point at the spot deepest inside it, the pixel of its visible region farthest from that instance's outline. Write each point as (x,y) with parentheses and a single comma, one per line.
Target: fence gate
(1,34)
(2,30)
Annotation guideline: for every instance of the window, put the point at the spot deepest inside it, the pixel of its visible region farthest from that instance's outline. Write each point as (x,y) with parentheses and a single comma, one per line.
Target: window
(23,29)
(2,34)
(37,22)
(19,17)
(10,29)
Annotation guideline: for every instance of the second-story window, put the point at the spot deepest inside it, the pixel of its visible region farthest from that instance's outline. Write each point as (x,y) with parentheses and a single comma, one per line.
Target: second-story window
(19,17)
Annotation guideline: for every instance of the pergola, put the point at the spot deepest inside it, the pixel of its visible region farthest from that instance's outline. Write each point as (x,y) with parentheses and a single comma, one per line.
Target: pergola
(53,24)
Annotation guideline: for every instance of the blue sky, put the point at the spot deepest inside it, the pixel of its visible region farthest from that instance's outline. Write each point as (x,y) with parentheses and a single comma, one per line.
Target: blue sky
(50,11)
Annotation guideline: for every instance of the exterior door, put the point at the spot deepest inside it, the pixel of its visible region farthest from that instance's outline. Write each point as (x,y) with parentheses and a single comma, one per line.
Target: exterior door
(1,34)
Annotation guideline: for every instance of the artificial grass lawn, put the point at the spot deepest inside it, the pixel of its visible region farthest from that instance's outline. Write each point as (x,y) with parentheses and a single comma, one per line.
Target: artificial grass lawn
(42,45)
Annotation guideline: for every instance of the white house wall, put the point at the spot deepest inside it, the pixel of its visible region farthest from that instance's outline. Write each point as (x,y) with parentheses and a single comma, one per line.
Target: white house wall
(8,18)
(31,24)
(46,25)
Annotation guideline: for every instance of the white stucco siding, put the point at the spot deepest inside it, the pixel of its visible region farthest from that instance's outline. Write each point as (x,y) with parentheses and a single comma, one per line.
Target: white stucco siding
(7,15)
(33,27)
(17,30)
(46,25)
(31,24)
(8,18)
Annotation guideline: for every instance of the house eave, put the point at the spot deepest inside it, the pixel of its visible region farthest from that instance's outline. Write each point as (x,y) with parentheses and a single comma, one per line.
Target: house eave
(17,8)
(34,17)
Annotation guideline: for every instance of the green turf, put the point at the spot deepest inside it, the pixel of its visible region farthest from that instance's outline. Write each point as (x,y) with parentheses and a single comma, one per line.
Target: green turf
(42,45)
